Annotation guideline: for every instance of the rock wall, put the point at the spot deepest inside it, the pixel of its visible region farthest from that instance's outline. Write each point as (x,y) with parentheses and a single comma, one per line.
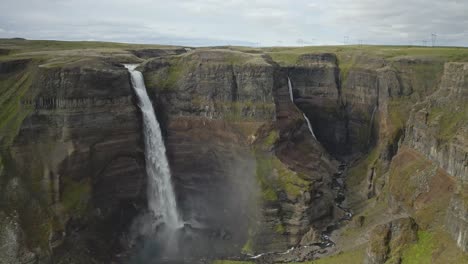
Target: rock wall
(245,167)
(438,127)
(213,103)
(420,141)
(457,219)
(317,92)
(77,159)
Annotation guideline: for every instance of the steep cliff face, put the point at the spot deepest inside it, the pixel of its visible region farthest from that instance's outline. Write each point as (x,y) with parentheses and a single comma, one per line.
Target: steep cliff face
(214,84)
(72,154)
(437,128)
(295,174)
(317,91)
(76,162)
(249,176)
(213,102)
(419,161)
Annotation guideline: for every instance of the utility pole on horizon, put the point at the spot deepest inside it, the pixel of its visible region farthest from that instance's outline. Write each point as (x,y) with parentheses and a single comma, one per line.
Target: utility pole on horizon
(433,39)
(345,40)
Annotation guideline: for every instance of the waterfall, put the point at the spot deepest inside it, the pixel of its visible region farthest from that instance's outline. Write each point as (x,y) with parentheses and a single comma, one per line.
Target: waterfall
(291,96)
(309,126)
(371,125)
(161,198)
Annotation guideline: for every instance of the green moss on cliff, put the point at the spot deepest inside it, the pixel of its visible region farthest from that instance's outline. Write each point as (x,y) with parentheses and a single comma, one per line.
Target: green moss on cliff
(75,196)
(420,187)
(279,228)
(423,77)
(398,113)
(345,64)
(291,182)
(402,182)
(273,176)
(248,246)
(449,119)
(434,246)
(358,172)
(264,172)
(168,78)
(33,194)
(13,88)
(271,139)
(420,252)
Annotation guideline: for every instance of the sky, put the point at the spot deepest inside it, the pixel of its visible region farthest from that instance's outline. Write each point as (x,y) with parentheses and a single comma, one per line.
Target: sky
(239,22)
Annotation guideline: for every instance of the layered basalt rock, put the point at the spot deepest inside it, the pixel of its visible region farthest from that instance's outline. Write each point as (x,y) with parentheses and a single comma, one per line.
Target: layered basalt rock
(246,170)
(457,219)
(317,91)
(213,102)
(438,127)
(214,84)
(421,152)
(294,173)
(76,161)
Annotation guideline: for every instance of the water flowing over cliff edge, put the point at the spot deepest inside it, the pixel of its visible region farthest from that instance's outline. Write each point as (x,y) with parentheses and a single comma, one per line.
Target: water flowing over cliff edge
(247,176)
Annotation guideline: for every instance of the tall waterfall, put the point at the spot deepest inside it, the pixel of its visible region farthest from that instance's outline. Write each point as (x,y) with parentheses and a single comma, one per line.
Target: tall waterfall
(291,96)
(371,125)
(161,198)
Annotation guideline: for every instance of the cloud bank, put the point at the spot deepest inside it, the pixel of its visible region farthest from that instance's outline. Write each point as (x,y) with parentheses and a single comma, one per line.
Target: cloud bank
(239,22)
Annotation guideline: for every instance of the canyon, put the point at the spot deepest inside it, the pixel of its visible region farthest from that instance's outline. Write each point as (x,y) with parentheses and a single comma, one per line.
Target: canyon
(381,178)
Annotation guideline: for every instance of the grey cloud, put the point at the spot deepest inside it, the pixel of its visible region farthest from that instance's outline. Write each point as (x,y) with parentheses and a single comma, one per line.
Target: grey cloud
(386,21)
(220,22)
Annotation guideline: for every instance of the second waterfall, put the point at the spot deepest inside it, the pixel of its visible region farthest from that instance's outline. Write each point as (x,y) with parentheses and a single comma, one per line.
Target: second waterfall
(291,97)
(161,197)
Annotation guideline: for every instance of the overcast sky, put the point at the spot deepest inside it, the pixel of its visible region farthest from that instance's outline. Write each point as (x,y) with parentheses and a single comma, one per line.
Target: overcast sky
(238,22)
